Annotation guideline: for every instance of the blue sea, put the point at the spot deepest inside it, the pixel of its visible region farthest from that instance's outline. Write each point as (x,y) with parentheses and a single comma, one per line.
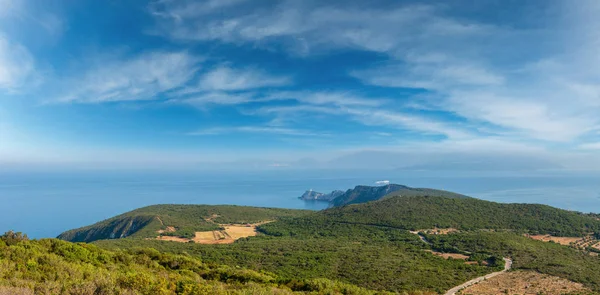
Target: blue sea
(44,204)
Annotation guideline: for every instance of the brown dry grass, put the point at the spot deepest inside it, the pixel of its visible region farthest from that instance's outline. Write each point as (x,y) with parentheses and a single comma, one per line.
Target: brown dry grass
(436,231)
(173,239)
(560,240)
(240,231)
(169,229)
(212,217)
(524,282)
(449,255)
(15,291)
(230,234)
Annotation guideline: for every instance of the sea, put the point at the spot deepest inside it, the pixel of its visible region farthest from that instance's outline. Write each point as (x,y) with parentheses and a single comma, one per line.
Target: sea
(43,204)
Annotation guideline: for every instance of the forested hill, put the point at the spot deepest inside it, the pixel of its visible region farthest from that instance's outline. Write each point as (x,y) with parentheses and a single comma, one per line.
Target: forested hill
(185,219)
(409,212)
(363,194)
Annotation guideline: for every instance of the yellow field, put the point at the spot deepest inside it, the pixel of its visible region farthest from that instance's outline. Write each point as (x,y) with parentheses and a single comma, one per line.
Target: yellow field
(240,231)
(566,241)
(173,239)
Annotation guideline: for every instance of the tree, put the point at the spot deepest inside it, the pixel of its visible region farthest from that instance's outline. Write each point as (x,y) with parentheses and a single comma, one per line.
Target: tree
(11,238)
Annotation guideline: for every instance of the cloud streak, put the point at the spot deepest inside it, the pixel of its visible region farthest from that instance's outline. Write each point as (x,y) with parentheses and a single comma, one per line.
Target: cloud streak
(17,66)
(141,77)
(255,129)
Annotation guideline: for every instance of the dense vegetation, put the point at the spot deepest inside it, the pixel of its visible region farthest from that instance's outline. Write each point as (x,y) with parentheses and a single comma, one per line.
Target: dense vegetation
(528,254)
(371,257)
(369,244)
(462,213)
(53,266)
(363,194)
(187,219)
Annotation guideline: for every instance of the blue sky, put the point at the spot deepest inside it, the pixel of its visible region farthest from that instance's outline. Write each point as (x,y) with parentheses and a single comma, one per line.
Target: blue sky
(300,83)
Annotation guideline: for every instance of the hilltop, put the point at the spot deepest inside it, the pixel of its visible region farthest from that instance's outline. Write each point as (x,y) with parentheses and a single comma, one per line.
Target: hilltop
(421,212)
(175,220)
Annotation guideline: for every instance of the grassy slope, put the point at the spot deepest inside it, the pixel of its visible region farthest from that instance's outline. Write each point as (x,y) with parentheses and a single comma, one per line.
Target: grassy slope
(144,222)
(346,243)
(371,257)
(527,254)
(464,213)
(52,266)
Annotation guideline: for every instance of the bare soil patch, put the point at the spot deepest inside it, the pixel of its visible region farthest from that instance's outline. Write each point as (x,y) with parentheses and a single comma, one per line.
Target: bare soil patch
(566,241)
(524,282)
(436,231)
(169,229)
(173,239)
(449,255)
(211,218)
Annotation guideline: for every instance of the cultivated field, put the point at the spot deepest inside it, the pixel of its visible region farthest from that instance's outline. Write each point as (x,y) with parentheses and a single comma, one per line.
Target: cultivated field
(584,243)
(449,255)
(524,282)
(566,241)
(228,235)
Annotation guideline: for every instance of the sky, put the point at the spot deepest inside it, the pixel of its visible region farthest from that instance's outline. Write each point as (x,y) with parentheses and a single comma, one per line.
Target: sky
(494,84)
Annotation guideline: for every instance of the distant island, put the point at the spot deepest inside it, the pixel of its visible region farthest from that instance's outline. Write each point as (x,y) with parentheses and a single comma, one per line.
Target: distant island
(311,195)
(364,193)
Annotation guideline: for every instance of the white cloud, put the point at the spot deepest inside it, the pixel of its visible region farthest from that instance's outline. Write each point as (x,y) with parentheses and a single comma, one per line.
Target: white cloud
(17,66)
(182,9)
(372,117)
(336,98)
(255,129)
(220,98)
(141,77)
(408,121)
(309,25)
(512,78)
(590,146)
(224,78)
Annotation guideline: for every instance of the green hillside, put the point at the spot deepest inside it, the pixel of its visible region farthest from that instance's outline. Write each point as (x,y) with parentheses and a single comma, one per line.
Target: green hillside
(346,243)
(370,257)
(52,266)
(463,213)
(186,219)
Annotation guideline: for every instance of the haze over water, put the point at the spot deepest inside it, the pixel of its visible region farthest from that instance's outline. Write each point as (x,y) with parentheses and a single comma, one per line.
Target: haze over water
(45,204)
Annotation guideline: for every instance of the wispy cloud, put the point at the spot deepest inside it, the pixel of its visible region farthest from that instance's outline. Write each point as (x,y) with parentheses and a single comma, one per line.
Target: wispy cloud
(225,78)
(590,146)
(255,129)
(140,77)
(475,69)
(215,98)
(17,66)
(309,25)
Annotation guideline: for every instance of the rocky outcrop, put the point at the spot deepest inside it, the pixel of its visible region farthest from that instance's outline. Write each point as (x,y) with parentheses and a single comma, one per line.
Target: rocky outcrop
(311,195)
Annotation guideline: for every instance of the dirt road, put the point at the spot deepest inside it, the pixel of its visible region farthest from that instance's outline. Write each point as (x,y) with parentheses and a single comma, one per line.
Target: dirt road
(507,266)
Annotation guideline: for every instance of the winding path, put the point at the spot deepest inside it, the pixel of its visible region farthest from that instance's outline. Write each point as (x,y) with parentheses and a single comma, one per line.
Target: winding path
(507,266)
